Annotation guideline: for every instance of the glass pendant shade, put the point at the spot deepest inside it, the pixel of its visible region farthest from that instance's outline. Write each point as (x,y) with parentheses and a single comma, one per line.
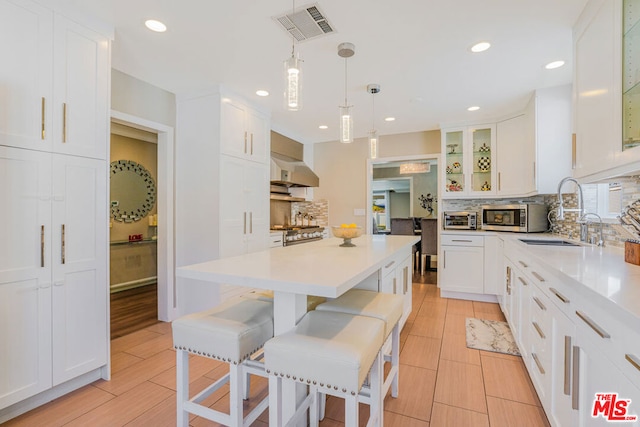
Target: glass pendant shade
(374,140)
(346,124)
(293,83)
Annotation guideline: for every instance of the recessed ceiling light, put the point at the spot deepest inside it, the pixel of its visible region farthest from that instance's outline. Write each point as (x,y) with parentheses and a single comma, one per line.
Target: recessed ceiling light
(474,108)
(323,127)
(480,47)
(389,119)
(156,26)
(554,64)
(262,92)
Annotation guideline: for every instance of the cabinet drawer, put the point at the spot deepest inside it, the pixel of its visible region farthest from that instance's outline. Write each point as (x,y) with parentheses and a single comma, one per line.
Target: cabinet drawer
(461,240)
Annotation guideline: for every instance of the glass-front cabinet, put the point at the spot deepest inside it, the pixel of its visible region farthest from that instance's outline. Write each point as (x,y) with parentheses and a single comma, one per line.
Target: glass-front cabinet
(469,159)
(631,74)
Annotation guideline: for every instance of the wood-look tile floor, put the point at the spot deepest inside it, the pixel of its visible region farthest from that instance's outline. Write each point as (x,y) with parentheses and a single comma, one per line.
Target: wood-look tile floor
(442,383)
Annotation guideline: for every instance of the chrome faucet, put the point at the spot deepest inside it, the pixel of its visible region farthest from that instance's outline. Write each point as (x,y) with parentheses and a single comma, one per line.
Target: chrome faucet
(585,222)
(561,209)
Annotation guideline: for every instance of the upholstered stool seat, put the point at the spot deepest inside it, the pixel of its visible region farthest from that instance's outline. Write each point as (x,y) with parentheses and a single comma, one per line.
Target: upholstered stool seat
(332,353)
(232,332)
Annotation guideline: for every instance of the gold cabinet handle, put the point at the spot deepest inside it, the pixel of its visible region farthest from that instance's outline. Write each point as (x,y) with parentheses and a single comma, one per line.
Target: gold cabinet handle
(537,276)
(560,296)
(250,222)
(538,330)
(635,362)
(574,150)
(567,365)
(251,143)
(390,264)
(535,359)
(62,245)
(245,223)
(540,304)
(64,122)
(42,245)
(405,280)
(43,132)
(524,282)
(593,325)
(394,285)
(245,142)
(524,264)
(575,393)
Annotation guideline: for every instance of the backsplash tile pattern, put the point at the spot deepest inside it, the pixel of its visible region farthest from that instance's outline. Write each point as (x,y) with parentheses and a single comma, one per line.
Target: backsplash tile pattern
(319,209)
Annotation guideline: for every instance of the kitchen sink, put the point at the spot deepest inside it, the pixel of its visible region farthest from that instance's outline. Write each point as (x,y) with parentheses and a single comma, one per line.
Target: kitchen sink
(548,242)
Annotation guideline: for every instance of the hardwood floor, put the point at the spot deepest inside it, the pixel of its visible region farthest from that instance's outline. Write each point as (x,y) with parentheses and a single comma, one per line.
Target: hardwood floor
(442,382)
(133,309)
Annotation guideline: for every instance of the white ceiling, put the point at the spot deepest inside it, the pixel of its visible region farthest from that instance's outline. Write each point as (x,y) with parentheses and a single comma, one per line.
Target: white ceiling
(417,50)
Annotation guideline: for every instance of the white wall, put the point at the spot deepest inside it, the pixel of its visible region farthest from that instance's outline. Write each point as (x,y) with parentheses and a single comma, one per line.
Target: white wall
(342,170)
(141,99)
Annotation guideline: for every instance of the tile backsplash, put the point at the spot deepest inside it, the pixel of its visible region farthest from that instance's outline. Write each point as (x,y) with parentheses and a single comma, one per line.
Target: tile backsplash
(614,234)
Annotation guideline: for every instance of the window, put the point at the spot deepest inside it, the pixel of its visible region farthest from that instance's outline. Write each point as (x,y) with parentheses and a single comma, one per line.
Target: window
(603,199)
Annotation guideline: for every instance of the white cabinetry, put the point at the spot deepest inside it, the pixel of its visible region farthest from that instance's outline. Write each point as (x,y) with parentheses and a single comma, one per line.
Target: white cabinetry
(244,132)
(395,278)
(515,157)
(461,263)
(57,82)
(53,275)
(469,160)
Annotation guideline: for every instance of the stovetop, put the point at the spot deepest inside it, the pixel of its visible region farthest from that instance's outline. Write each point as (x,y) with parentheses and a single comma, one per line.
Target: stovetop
(293,227)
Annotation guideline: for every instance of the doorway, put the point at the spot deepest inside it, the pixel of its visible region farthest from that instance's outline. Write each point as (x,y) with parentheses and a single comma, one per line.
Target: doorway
(164,229)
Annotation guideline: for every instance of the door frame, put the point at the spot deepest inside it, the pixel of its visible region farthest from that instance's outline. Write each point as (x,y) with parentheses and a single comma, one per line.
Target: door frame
(167,309)
(382,160)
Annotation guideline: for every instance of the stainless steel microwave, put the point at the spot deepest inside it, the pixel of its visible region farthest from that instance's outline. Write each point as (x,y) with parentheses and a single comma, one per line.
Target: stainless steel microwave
(524,218)
(460,220)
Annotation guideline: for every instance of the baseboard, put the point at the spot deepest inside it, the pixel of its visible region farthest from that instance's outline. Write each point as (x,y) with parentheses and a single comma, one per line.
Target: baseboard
(468,296)
(48,395)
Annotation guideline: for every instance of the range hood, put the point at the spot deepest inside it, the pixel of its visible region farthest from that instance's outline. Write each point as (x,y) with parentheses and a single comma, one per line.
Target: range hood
(287,167)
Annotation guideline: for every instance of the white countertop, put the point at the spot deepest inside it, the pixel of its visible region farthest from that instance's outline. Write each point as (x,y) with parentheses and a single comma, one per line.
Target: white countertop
(321,268)
(600,274)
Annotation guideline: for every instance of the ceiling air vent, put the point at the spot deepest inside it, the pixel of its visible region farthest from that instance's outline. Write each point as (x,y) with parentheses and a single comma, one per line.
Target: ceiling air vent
(306,23)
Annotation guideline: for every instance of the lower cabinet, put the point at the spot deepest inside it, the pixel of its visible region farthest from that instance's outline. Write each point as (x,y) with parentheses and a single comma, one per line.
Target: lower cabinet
(53,270)
(461,264)
(396,279)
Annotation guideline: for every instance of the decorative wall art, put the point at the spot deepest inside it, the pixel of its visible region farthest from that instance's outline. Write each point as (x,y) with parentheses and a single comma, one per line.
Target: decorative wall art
(427,202)
(133,191)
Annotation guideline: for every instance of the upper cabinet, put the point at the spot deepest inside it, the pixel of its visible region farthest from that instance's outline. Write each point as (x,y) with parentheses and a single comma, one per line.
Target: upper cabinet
(469,159)
(56,86)
(244,132)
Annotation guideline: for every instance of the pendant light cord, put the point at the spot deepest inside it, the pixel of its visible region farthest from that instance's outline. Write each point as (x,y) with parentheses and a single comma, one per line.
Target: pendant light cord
(345,82)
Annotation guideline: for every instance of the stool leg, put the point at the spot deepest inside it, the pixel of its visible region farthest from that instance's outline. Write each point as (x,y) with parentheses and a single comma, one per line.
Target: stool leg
(322,406)
(182,387)
(247,385)
(275,401)
(395,359)
(376,408)
(235,394)
(314,407)
(350,411)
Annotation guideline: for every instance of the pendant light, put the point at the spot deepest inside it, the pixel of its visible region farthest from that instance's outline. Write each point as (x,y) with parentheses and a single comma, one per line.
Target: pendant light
(346,50)
(293,77)
(374,139)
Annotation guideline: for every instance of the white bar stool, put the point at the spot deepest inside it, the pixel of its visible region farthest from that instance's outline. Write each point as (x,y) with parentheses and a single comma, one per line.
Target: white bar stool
(332,353)
(386,307)
(232,333)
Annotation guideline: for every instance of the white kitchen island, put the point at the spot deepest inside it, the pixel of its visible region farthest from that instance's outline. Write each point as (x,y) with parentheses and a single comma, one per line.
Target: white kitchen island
(320,268)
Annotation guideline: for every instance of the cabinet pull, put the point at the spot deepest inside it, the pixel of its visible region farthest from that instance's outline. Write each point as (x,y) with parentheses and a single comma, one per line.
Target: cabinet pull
(508,280)
(524,264)
(251,143)
(538,330)
(537,276)
(42,244)
(534,174)
(250,222)
(62,245)
(540,304)
(461,240)
(524,282)
(567,365)
(575,386)
(64,122)
(245,223)
(405,280)
(574,150)
(499,182)
(593,325)
(560,296)
(635,362)
(535,359)
(245,142)
(394,285)
(390,264)
(42,124)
